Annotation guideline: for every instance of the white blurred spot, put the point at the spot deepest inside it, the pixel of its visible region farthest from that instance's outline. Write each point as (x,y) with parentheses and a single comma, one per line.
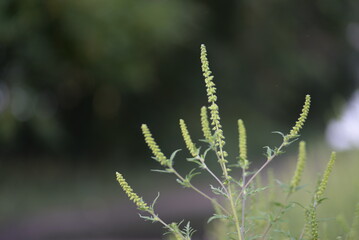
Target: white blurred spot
(343,133)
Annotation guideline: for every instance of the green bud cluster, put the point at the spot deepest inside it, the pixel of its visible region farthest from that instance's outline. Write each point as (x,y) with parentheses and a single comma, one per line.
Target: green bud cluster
(312,224)
(212,98)
(243,161)
(324,182)
(205,126)
(132,196)
(187,139)
(354,230)
(294,132)
(302,156)
(160,157)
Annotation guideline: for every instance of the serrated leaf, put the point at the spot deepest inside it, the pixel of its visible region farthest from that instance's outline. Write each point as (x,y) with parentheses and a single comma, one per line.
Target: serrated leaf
(148,218)
(218,191)
(188,230)
(256,190)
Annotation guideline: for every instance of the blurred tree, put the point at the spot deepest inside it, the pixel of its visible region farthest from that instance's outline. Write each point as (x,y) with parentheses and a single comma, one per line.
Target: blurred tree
(67,65)
(76,75)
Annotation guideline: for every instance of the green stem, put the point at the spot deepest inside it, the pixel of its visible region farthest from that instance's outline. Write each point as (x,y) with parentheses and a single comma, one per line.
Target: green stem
(269,159)
(276,218)
(178,234)
(234,210)
(230,194)
(199,191)
(243,197)
(214,176)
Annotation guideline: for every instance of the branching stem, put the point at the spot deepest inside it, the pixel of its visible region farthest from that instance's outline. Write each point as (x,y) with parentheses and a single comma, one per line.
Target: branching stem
(269,159)
(199,191)
(171,229)
(276,218)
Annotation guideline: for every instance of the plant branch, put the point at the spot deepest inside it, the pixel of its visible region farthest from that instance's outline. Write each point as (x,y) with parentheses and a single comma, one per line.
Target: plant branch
(199,191)
(269,159)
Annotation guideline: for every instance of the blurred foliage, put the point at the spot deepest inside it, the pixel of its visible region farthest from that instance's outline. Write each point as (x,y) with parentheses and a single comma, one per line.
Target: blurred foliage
(80,76)
(67,64)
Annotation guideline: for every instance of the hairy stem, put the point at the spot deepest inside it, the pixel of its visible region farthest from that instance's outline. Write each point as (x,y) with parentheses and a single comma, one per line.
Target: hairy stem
(243,198)
(199,191)
(234,210)
(178,234)
(276,218)
(269,159)
(214,176)
(230,195)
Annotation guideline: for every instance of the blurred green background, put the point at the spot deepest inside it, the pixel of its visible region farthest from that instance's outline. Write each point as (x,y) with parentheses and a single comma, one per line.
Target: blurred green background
(78,78)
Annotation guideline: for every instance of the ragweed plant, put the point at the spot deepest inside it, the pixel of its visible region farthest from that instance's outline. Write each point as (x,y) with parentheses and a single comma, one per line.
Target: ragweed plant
(235,204)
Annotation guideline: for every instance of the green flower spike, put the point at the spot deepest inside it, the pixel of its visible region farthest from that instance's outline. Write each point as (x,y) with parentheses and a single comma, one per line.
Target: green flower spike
(205,126)
(243,161)
(301,120)
(187,139)
(302,156)
(131,195)
(160,157)
(212,98)
(324,182)
(354,230)
(312,224)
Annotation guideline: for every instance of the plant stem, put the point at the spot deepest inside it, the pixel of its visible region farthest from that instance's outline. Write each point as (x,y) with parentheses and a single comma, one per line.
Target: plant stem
(243,197)
(230,194)
(174,231)
(234,210)
(199,191)
(276,218)
(214,176)
(269,159)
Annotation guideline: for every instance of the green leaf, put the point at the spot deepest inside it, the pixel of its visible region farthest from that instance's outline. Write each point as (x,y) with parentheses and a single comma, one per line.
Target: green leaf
(148,218)
(155,200)
(205,152)
(280,133)
(283,185)
(321,200)
(218,191)
(278,204)
(217,216)
(173,155)
(162,171)
(256,190)
(196,160)
(191,174)
(269,152)
(188,230)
